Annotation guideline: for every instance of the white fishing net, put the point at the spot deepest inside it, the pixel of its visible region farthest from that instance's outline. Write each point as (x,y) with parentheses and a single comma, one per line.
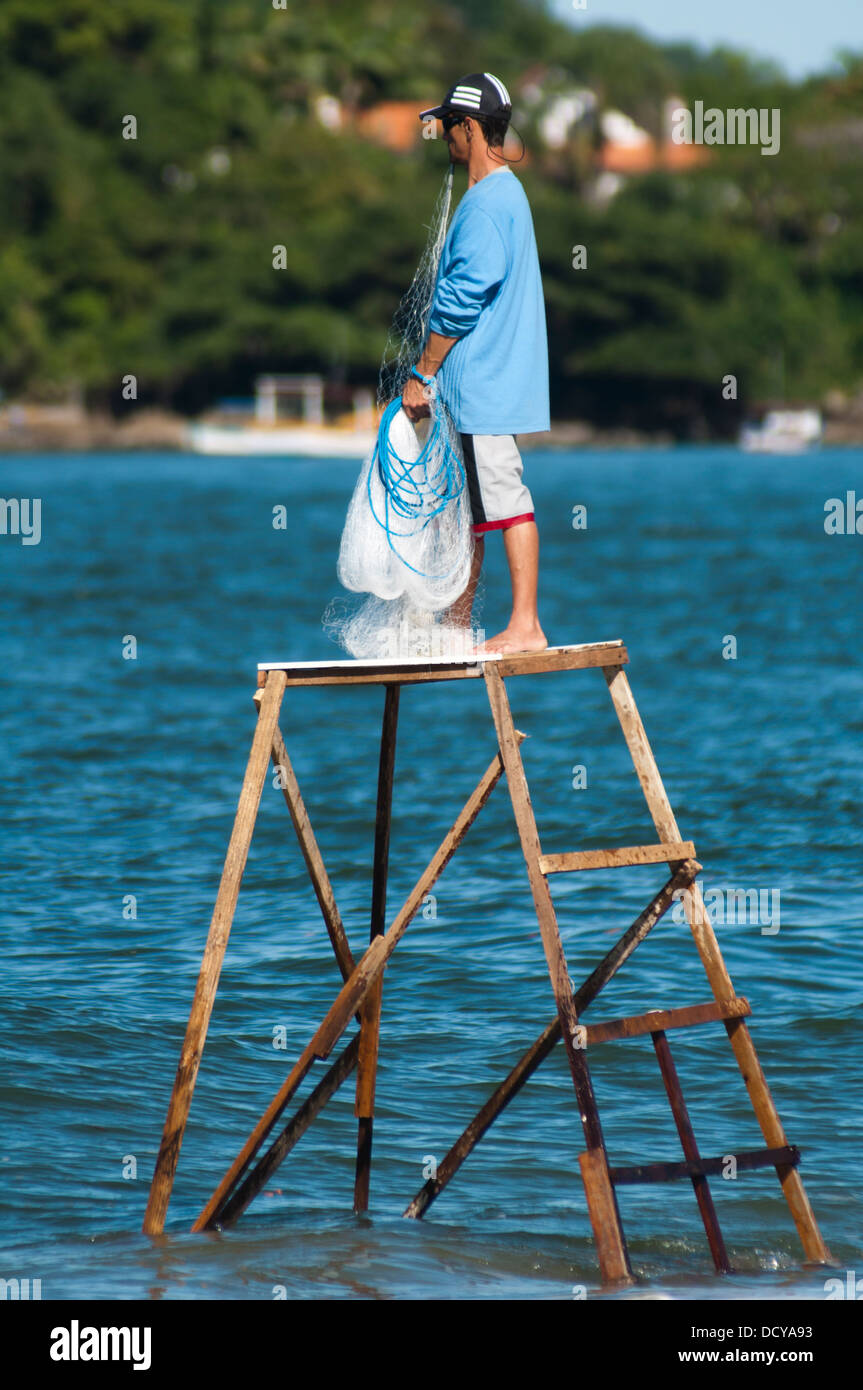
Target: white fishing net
(407,543)
(409,329)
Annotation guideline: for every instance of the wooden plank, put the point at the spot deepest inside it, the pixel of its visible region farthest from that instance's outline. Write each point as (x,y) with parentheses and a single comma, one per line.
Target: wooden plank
(352,993)
(380,665)
(611,1249)
(689,1145)
(662,815)
(714,966)
(214,954)
(627,857)
(409,670)
(747,1160)
(658,1019)
(350,666)
(550,1036)
(292,1133)
(528,835)
(370,1019)
(604,1217)
(564,659)
(406,676)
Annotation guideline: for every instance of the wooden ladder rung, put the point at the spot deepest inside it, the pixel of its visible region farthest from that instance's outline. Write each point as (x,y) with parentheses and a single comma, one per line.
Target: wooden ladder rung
(658,1020)
(707,1167)
(626,857)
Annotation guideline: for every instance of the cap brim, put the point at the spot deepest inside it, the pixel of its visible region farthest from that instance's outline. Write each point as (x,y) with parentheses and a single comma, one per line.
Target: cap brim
(438,111)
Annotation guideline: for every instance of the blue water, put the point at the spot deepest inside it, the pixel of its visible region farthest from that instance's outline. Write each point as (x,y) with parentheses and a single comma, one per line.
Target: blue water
(120,779)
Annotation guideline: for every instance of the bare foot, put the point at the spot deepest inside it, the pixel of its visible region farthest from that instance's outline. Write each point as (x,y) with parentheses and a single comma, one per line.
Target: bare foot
(513,640)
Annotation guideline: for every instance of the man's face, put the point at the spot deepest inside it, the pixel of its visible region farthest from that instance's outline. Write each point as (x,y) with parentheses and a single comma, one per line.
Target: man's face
(456,138)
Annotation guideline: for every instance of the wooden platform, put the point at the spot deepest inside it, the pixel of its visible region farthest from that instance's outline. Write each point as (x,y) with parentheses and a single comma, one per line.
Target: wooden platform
(412,669)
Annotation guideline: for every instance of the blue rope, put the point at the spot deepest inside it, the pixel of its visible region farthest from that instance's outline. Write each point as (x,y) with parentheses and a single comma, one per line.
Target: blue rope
(415,490)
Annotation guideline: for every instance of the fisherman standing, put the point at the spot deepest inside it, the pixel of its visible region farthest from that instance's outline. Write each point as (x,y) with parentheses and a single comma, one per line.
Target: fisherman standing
(487,346)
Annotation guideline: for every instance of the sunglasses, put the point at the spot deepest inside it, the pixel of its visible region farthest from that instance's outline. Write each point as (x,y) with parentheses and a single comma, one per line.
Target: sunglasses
(449,121)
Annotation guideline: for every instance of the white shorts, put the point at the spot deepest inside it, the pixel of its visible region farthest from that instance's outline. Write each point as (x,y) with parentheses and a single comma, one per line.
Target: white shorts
(498,496)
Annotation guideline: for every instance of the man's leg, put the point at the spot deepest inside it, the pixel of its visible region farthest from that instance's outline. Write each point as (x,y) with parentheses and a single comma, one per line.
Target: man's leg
(522,632)
(501,502)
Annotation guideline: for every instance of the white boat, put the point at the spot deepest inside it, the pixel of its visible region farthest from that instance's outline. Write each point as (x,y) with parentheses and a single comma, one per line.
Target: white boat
(255,428)
(305,441)
(783,432)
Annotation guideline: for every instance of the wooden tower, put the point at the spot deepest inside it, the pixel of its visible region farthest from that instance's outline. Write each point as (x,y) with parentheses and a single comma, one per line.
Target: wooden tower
(361,994)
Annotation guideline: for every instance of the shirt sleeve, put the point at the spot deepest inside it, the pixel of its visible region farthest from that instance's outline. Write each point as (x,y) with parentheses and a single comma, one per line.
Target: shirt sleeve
(471,273)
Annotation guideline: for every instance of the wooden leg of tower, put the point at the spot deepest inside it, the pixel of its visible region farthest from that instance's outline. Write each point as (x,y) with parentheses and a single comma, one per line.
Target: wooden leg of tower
(689,1145)
(720,982)
(370,1024)
(604,1213)
(214,954)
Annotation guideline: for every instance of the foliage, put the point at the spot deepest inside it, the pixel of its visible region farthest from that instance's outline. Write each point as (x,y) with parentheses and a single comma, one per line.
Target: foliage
(154,255)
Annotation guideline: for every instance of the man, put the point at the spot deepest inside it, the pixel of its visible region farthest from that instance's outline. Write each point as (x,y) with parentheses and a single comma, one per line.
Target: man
(487,346)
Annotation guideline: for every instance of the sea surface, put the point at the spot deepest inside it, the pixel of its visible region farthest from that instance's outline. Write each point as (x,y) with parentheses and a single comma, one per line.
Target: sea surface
(129,641)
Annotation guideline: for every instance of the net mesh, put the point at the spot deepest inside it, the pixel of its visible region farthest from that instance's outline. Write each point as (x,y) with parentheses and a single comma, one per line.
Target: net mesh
(409,328)
(407,543)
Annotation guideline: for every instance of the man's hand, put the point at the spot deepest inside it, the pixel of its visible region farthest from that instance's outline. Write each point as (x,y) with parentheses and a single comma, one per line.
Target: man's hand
(414,399)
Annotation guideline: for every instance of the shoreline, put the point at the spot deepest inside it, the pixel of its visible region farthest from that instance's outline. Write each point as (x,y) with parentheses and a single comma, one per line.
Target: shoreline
(147,430)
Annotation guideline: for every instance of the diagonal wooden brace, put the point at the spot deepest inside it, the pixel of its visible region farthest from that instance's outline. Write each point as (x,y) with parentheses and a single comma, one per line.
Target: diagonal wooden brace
(292,1133)
(549,1037)
(312,855)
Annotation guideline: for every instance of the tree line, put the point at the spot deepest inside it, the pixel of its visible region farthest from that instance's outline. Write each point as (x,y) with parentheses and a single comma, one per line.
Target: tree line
(153,255)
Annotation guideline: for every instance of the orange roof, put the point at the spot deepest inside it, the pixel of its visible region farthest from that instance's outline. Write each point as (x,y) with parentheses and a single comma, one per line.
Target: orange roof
(395,124)
(679,157)
(641,159)
(628,159)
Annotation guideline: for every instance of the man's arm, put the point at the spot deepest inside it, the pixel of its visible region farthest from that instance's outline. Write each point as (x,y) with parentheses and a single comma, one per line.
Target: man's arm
(475,265)
(433,354)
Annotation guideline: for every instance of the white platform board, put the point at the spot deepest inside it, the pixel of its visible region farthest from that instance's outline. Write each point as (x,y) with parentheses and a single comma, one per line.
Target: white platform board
(378,662)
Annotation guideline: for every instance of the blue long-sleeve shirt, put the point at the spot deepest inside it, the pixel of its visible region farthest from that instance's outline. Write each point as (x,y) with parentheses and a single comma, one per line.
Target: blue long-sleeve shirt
(489,296)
